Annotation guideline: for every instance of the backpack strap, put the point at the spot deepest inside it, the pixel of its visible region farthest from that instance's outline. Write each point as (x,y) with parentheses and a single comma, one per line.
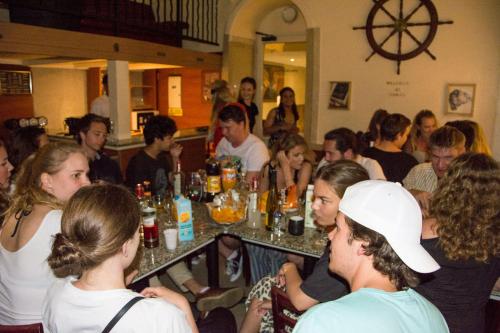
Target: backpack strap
(120,314)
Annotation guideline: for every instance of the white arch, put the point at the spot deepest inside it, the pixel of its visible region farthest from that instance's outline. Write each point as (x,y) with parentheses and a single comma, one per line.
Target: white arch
(247,14)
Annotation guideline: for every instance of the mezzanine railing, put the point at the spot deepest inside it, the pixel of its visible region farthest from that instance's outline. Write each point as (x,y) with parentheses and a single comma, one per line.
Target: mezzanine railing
(162,21)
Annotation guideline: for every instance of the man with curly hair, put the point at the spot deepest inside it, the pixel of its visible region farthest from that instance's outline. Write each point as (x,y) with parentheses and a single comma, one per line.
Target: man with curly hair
(376,248)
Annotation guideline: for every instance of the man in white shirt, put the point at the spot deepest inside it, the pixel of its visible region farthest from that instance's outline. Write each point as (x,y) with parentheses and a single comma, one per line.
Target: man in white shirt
(253,153)
(238,141)
(101,105)
(342,144)
(446,143)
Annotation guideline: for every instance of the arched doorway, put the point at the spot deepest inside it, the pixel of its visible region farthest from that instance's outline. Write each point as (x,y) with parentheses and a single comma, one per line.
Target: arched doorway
(246,52)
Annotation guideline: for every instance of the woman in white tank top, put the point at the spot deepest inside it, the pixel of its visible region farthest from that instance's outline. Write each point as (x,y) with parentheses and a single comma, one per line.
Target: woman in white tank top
(98,241)
(44,183)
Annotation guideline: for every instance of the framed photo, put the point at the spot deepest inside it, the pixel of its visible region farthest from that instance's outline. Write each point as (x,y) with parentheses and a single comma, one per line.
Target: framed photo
(273,82)
(208,78)
(460,98)
(340,95)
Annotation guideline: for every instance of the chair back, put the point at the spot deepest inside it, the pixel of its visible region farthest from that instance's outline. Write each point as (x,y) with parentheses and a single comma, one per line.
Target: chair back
(31,328)
(282,308)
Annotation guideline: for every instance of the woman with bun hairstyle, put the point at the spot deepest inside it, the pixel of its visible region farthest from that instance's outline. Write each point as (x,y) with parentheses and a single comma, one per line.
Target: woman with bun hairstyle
(98,241)
(45,182)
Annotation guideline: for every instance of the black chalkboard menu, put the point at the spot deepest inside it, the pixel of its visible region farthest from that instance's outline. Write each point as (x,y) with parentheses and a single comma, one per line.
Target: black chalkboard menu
(15,82)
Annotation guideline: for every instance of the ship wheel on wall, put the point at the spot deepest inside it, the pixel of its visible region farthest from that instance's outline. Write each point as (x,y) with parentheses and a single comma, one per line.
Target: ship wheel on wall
(400,27)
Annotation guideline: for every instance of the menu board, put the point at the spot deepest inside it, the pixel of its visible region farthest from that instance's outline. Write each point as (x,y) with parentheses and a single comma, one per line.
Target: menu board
(15,82)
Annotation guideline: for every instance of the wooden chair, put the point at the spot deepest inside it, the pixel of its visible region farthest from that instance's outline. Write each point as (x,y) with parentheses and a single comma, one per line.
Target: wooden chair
(32,328)
(280,318)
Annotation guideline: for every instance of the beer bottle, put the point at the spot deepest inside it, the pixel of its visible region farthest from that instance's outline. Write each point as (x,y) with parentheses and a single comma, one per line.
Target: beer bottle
(272,198)
(213,179)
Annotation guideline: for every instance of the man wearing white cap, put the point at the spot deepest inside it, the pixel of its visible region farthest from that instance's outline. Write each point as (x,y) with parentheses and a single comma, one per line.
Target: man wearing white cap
(376,248)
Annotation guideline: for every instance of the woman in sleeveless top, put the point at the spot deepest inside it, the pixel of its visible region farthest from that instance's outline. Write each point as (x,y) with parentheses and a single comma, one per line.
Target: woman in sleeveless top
(463,237)
(44,183)
(423,125)
(283,118)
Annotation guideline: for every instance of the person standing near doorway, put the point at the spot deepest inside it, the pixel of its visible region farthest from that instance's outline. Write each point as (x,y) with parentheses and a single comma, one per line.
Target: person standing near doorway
(246,97)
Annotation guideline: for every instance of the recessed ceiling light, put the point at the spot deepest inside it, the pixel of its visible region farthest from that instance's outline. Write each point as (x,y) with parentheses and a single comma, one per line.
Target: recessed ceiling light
(292,59)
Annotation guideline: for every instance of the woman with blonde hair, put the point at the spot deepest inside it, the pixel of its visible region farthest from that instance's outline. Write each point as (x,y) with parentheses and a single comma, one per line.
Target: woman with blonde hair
(45,182)
(293,161)
(98,241)
(463,237)
(423,125)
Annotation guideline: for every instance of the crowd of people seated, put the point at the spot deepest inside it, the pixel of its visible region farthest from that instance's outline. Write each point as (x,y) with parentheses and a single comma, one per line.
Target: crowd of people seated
(411,210)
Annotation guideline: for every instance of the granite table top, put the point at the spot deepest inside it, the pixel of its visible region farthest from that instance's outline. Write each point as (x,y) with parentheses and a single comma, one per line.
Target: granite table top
(311,243)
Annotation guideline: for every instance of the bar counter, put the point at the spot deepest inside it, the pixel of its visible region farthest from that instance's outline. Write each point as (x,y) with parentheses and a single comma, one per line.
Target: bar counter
(206,234)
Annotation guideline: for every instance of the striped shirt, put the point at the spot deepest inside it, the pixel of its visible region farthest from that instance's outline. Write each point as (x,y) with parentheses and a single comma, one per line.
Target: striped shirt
(422,178)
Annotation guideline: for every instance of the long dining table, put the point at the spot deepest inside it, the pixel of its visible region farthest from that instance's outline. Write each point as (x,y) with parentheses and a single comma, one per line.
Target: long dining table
(206,234)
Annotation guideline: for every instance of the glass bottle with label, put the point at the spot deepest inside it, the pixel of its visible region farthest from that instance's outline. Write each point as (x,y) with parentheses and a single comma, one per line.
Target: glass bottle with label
(253,208)
(272,198)
(213,179)
(178,179)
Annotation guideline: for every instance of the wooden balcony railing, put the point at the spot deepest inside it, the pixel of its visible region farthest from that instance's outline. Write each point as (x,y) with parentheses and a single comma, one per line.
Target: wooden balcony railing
(160,21)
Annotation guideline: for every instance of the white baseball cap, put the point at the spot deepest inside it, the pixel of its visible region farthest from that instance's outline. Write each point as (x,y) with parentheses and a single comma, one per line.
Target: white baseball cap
(392,211)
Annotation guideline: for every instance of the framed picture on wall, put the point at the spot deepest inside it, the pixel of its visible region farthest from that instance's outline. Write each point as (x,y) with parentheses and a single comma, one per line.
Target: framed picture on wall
(460,98)
(340,95)
(208,78)
(273,81)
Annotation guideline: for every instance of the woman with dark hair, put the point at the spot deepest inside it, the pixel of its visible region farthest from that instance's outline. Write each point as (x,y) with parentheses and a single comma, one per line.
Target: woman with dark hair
(331,182)
(423,125)
(45,182)
(283,118)
(246,96)
(463,237)
(24,142)
(372,137)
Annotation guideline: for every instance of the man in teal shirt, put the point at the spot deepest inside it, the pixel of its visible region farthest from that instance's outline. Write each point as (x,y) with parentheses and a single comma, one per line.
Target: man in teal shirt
(376,248)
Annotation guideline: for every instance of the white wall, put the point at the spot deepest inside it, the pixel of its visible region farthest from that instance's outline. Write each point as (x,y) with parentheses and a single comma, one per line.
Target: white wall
(59,93)
(467,52)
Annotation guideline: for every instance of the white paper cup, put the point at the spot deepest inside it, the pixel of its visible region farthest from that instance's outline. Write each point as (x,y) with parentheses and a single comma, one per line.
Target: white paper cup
(170,238)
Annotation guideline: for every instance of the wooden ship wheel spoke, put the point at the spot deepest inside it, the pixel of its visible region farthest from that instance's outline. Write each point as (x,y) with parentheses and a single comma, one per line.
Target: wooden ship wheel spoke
(400,26)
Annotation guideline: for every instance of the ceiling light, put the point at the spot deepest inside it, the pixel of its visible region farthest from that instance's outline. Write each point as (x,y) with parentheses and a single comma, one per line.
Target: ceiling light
(292,59)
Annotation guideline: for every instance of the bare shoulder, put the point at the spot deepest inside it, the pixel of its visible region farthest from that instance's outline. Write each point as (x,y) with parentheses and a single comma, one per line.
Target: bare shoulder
(26,228)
